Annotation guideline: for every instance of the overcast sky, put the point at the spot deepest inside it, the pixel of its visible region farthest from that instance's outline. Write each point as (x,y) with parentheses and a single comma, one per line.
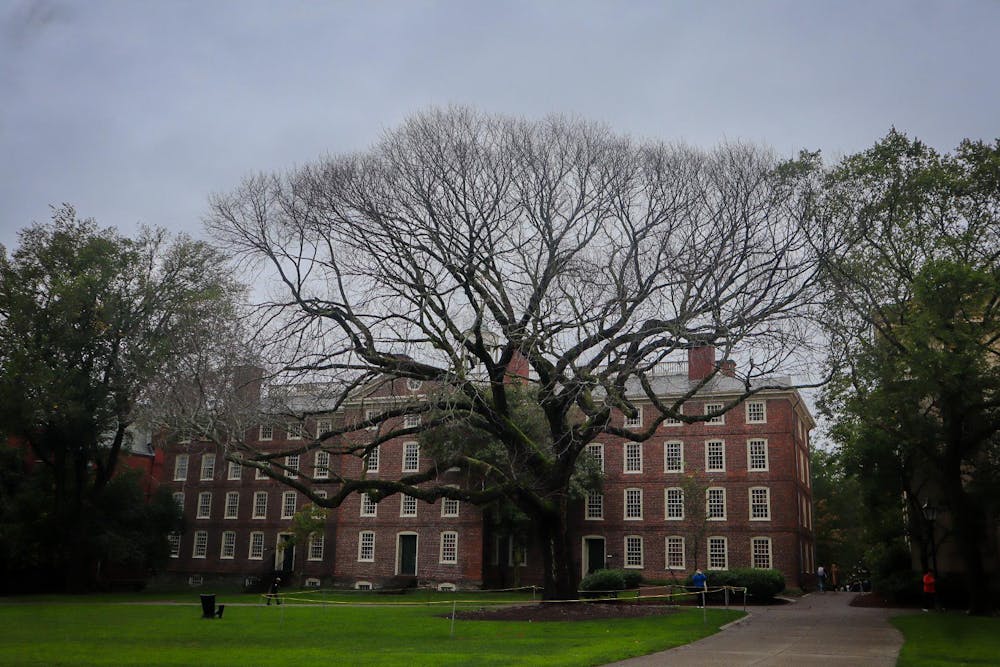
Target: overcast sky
(135,111)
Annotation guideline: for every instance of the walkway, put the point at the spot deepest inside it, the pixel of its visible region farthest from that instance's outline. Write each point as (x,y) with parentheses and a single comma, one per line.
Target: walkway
(818,629)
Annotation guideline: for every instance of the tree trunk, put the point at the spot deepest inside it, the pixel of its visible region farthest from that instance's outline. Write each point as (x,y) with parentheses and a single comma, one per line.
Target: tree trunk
(560,581)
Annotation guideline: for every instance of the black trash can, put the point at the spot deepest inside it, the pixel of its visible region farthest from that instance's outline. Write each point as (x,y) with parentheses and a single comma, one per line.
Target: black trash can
(208,606)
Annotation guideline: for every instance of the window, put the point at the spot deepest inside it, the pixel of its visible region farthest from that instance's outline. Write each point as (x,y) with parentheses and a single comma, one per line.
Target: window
(715,407)
(228,550)
(636,421)
(715,456)
(200,544)
(259,472)
(675,553)
(518,553)
(413,385)
(289,500)
(368,506)
(673,457)
(449,588)
(633,551)
(294,430)
(760,504)
(407,505)
(369,415)
(449,547)
(760,553)
(266,432)
(411,421)
(756,412)
(185,438)
(235,470)
(371,459)
(323,426)
(674,503)
(757,454)
(204,505)
(175,544)
(363,586)
(715,504)
(596,451)
(674,421)
(595,506)
(633,504)
(179,499)
(232,504)
(449,507)
(321,467)
(718,554)
(366,546)
(207,466)
(320,493)
(181,467)
(292,464)
(411,457)
(256,546)
(316,544)
(260,505)
(633,457)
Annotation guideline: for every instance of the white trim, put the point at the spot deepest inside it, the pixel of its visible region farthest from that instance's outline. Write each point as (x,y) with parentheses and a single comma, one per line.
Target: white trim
(256,534)
(725,510)
(753,554)
(763,407)
(625,553)
(181,463)
(235,507)
(767,503)
(231,534)
(715,407)
(361,544)
(207,467)
(634,447)
(666,503)
(399,553)
(767,455)
(441,558)
(708,552)
(722,444)
(625,505)
(666,553)
(680,447)
(257,506)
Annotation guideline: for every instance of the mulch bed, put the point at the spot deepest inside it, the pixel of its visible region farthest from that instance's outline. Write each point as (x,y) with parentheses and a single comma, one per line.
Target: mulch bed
(875,601)
(565,611)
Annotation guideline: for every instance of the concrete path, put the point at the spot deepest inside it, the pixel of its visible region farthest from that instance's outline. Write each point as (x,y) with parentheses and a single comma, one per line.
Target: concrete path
(818,629)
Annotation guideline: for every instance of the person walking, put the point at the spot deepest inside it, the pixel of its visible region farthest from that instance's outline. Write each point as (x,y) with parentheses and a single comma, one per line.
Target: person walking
(821,578)
(930,591)
(700,582)
(272,592)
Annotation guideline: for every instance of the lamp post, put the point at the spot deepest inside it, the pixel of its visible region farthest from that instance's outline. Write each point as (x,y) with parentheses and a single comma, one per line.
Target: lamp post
(930,515)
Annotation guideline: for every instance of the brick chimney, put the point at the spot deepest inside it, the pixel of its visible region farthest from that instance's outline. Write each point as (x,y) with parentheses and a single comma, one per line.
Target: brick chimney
(701,361)
(517,368)
(728,368)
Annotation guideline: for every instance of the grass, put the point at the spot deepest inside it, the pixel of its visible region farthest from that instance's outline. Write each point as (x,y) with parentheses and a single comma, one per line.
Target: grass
(948,639)
(83,631)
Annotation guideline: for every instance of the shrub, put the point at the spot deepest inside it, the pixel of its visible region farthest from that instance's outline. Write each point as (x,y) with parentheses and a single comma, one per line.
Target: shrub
(761,585)
(611,580)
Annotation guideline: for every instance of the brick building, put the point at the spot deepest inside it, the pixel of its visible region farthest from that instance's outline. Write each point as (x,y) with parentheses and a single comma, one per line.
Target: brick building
(730,492)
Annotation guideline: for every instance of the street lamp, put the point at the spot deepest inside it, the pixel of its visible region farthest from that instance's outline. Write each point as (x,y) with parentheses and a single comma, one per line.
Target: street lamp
(930,515)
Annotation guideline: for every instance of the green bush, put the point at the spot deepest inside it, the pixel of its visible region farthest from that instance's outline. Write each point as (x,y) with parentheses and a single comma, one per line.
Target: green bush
(761,585)
(902,586)
(611,580)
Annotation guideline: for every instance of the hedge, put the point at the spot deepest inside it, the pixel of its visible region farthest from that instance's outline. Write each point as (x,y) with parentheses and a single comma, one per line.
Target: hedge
(611,580)
(761,585)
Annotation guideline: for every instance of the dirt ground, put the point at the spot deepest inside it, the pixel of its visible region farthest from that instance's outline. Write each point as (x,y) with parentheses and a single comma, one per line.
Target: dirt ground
(565,611)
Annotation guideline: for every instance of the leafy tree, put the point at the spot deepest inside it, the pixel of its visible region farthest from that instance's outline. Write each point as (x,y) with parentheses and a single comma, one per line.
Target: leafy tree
(310,520)
(915,317)
(462,245)
(88,319)
(838,511)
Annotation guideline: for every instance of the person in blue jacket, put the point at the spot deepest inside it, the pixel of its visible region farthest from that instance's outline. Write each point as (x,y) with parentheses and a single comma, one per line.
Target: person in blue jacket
(700,582)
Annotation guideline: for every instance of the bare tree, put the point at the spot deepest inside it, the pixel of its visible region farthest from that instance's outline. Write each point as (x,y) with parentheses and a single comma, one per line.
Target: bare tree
(463,244)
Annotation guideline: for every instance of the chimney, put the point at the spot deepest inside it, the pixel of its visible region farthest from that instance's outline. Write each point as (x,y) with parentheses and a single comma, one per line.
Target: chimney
(701,361)
(728,368)
(517,368)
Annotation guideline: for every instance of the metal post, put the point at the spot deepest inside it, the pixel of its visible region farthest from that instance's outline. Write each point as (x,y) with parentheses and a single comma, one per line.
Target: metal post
(454,603)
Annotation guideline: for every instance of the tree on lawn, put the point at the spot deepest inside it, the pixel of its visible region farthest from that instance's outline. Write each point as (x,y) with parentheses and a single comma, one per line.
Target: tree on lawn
(87,319)
(917,408)
(463,245)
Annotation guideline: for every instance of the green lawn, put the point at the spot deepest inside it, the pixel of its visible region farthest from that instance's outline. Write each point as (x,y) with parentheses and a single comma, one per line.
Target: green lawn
(79,631)
(948,639)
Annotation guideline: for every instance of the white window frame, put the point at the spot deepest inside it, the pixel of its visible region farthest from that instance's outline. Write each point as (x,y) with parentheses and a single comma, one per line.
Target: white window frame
(258,473)
(321,465)
(413,384)
(766,553)
(450,507)
(232,508)
(709,444)
(370,413)
(179,499)
(371,458)
(366,536)
(449,552)
(596,451)
(200,548)
(751,443)
(174,539)
(289,501)
(680,456)
(227,546)
(207,467)
(679,492)
(411,457)
(717,539)
(368,506)
(266,432)
(363,586)
(715,407)
(293,430)
(760,506)
(259,508)
(667,552)
(636,494)
(204,510)
(629,559)
(674,421)
(708,503)
(411,421)
(292,466)
(322,426)
(633,422)
(255,550)
(181,467)
(407,505)
(594,507)
(317,546)
(751,419)
(235,471)
(632,458)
